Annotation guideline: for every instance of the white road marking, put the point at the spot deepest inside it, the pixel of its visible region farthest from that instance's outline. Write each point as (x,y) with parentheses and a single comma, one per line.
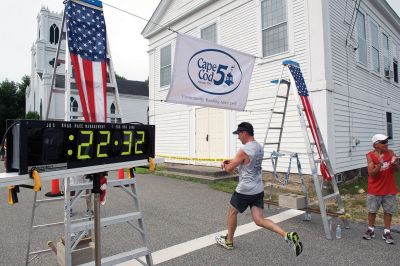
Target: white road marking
(172,252)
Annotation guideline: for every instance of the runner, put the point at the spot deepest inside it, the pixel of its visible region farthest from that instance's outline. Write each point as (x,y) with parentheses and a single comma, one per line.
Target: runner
(250,190)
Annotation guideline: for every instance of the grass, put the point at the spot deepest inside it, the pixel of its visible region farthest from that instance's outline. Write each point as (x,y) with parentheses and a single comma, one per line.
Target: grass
(224,185)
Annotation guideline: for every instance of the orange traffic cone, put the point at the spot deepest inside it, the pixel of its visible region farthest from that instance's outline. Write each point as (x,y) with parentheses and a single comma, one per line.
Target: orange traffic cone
(121,173)
(55,189)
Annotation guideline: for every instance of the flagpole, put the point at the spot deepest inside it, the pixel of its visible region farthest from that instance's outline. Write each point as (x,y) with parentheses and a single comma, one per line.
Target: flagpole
(55,64)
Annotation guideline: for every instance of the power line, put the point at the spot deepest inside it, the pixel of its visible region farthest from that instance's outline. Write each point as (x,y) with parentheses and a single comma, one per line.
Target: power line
(139,17)
(149,20)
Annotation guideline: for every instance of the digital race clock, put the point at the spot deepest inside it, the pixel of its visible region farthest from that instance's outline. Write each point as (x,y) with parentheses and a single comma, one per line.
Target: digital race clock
(57,145)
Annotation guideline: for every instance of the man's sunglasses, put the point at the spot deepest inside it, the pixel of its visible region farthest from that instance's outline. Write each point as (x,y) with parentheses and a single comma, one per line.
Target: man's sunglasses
(383,141)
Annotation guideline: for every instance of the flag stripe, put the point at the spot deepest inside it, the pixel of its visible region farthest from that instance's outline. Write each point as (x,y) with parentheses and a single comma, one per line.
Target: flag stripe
(99,99)
(87,68)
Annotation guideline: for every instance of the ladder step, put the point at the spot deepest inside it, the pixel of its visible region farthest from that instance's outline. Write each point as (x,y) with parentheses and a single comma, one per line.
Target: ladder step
(122,257)
(111,183)
(279,113)
(282,97)
(76,227)
(271,143)
(121,182)
(276,128)
(330,196)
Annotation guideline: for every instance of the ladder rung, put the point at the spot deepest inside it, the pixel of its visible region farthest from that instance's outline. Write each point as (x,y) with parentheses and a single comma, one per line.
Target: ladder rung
(122,257)
(121,182)
(282,97)
(106,221)
(271,143)
(279,113)
(112,183)
(330,196)
(276,128)
(56,223)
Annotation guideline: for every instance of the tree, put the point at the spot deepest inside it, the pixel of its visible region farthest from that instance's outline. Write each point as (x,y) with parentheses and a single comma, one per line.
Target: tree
(119,77)
(32,115)
(12,101)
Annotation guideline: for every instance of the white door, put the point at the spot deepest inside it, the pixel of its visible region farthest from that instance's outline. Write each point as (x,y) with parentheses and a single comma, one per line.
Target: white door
(210,133)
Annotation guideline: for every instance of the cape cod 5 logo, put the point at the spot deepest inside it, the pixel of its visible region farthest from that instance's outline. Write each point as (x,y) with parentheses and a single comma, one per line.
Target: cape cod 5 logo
(214,71)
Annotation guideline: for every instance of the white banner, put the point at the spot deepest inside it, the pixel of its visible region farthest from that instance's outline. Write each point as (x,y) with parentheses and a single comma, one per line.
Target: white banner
(207,74)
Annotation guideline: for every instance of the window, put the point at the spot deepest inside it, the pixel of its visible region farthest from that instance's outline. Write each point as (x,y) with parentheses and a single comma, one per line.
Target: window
(361,39)
(112,111)
(54,34)
(274,27)
(375,47)
(165,66)
(209,33)
(73,106)
(389,125)
(395,62)
(385,52)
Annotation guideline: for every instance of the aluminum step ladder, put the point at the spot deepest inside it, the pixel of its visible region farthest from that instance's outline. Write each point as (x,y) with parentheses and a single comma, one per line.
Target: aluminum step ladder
(278,115)
(315,147)
(76,229)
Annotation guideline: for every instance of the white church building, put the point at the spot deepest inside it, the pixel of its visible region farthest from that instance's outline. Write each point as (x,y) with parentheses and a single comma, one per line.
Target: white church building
(348,53)
(133,94)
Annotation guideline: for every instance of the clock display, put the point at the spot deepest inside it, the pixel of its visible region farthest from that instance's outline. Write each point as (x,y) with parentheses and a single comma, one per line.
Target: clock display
(52,145)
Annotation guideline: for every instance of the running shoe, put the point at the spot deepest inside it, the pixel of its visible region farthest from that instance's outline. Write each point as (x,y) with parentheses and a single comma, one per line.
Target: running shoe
(369,234)
(294,240)
(220,239)
(388,238)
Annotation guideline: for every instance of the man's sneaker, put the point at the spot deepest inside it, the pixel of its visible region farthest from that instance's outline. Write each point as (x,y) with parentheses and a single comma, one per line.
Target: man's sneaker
(388,238)
(223,242)
(294,239)
(369,234)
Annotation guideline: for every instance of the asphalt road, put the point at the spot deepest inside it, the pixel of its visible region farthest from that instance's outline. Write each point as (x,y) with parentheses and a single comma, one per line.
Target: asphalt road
(178,211)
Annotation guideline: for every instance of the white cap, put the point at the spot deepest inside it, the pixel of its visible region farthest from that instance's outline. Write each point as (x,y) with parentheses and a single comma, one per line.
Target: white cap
(379,137)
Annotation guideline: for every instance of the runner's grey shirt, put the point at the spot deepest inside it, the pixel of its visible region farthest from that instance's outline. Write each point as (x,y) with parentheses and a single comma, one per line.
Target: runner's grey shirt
(250,175)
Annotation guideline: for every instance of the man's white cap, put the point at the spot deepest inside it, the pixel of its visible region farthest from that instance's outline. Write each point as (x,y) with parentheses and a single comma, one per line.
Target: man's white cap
(379,137)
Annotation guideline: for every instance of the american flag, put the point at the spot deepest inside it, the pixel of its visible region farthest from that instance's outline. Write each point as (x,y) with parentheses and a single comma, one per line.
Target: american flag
(303,93)
(86,31)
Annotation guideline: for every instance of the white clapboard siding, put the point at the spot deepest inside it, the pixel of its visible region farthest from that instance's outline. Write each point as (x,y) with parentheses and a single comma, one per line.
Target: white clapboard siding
(362,113)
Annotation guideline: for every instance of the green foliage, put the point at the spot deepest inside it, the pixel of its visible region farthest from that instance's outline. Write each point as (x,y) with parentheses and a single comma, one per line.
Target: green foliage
(32,115)
(12,103)
(119,77)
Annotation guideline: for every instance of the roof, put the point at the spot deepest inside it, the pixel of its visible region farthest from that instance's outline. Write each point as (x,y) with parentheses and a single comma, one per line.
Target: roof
(125,86)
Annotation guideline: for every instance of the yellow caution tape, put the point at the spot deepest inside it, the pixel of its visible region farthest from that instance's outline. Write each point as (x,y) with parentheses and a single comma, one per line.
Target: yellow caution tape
(192,158)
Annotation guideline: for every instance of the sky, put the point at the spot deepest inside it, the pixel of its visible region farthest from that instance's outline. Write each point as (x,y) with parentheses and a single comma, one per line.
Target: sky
(18,29)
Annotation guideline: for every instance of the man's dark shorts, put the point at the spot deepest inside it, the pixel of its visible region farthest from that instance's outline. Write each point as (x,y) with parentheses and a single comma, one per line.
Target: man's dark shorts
(242,201)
